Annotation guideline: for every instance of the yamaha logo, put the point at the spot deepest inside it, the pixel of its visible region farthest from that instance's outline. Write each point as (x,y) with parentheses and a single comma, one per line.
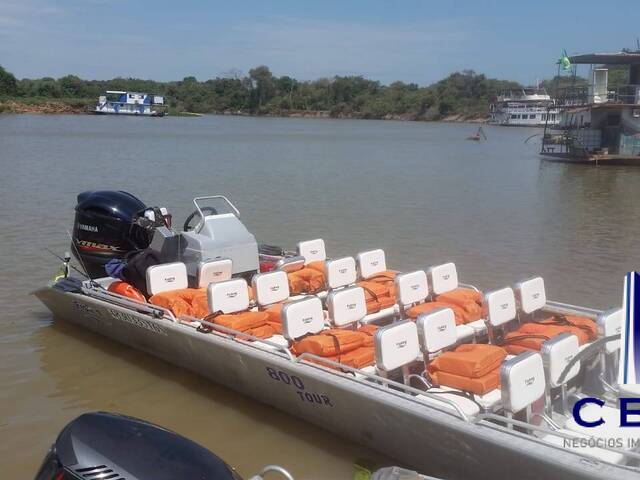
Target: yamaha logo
(307,320)
(375,263)
(88,228)
(401,344)
(343,270)
(232,294)
(351,306)
(535,296)
(313,252)
(529,381)
(504,306)
(415,287)
(442,328)
(446,276)
(275,288)
(170,279)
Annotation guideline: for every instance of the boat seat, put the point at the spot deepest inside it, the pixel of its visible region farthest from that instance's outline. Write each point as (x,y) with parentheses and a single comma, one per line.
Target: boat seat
(301,318)
(412,293)
(523,384)
(438,335)
(229,307)
(168,285)
(213,271)
(306,271)
(377,281)
(445,288)
(347,308)
(535,322)
(396,347)
(271,291)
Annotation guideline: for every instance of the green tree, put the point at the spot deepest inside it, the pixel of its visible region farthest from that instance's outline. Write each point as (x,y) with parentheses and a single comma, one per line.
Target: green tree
(8,83)
(263,85)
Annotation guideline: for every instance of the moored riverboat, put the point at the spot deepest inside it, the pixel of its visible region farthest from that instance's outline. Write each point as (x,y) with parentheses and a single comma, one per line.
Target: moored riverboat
(414,364)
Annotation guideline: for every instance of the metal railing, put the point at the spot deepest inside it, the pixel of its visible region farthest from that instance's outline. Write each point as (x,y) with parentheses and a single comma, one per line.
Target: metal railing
(588,94)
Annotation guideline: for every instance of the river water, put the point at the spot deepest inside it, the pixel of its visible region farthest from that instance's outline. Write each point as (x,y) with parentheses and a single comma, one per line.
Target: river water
(418,190)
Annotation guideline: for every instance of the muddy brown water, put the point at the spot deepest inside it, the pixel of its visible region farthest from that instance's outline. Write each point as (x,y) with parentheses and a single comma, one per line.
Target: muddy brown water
(418,190)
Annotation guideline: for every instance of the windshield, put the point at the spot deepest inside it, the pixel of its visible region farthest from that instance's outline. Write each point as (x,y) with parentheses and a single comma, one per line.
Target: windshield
(215,205)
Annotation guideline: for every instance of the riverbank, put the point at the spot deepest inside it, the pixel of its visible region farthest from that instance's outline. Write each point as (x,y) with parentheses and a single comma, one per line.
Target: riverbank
(40,106)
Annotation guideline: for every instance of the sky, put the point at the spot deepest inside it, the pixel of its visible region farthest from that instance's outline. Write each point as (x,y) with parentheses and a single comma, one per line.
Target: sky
(412,40)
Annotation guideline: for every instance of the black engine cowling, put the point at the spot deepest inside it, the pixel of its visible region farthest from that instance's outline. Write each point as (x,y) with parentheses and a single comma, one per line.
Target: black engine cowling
(105,228)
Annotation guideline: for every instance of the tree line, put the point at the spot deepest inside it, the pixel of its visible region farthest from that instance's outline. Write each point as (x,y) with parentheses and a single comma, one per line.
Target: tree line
(467,94)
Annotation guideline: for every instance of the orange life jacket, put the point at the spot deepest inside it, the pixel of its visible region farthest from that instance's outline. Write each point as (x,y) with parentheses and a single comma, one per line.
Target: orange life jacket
(469,300)
(460,314)
(379,291)
(530,336)
(472,368)
(309,279)
(331,342)
(249,322)
(186,301)
(126,290)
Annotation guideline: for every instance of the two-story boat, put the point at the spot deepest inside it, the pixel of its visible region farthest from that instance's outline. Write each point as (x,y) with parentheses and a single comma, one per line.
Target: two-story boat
(524,107)
(116,102)
(599,122)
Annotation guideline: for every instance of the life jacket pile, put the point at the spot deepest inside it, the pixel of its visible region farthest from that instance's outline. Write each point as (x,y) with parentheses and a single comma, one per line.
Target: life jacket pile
(186,301)
(353,348)
(255,323)
(309,279)
(471,368)
(379,291)
(466,305)
(530,336)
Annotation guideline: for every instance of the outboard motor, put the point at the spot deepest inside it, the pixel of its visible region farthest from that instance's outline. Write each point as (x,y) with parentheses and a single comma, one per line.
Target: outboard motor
(104,445)
(106,227)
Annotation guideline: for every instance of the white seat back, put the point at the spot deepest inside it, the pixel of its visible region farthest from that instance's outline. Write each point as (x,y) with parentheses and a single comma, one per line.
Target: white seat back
(340,272)
(522,381)
(347,306)
(396,345)
(411,287)
(312,250)
(443,278)
(610,323)
(500,306)
(214,271)
(302,317)
(530,295)
(437,330)
(556,354)
(166,277)
(228,297)
(371,263)
(271,287)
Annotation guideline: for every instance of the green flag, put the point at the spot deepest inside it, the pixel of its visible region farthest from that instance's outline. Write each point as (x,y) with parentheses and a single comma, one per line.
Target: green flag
(564,62)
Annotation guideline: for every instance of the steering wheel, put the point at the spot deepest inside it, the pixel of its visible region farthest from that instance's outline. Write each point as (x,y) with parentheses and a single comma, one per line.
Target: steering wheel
(206,210)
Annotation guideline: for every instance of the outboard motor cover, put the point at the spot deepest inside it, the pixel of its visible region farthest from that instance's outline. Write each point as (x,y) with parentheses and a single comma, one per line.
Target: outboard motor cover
(102,445)
(104,228)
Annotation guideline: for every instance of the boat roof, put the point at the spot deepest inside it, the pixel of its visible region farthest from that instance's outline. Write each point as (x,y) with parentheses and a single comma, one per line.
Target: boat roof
(122,92)
(620,58)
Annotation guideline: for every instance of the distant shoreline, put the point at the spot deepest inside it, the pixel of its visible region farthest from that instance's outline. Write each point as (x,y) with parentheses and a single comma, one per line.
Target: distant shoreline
(79,107)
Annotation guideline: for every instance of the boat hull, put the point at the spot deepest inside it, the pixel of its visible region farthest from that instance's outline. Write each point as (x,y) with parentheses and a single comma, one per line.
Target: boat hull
(389,421)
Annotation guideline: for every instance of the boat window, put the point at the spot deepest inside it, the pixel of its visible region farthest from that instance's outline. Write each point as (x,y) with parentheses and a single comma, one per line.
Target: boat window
(532,116)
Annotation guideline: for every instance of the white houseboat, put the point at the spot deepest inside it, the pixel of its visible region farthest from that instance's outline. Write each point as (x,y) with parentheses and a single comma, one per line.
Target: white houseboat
(115,102)
(599,121)
(524,107)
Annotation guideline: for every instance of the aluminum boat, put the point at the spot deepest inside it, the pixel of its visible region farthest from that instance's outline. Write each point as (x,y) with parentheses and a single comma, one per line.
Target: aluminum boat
(523,428)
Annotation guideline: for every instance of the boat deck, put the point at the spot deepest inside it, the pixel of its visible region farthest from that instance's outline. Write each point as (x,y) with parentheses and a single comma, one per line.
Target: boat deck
(592,159)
